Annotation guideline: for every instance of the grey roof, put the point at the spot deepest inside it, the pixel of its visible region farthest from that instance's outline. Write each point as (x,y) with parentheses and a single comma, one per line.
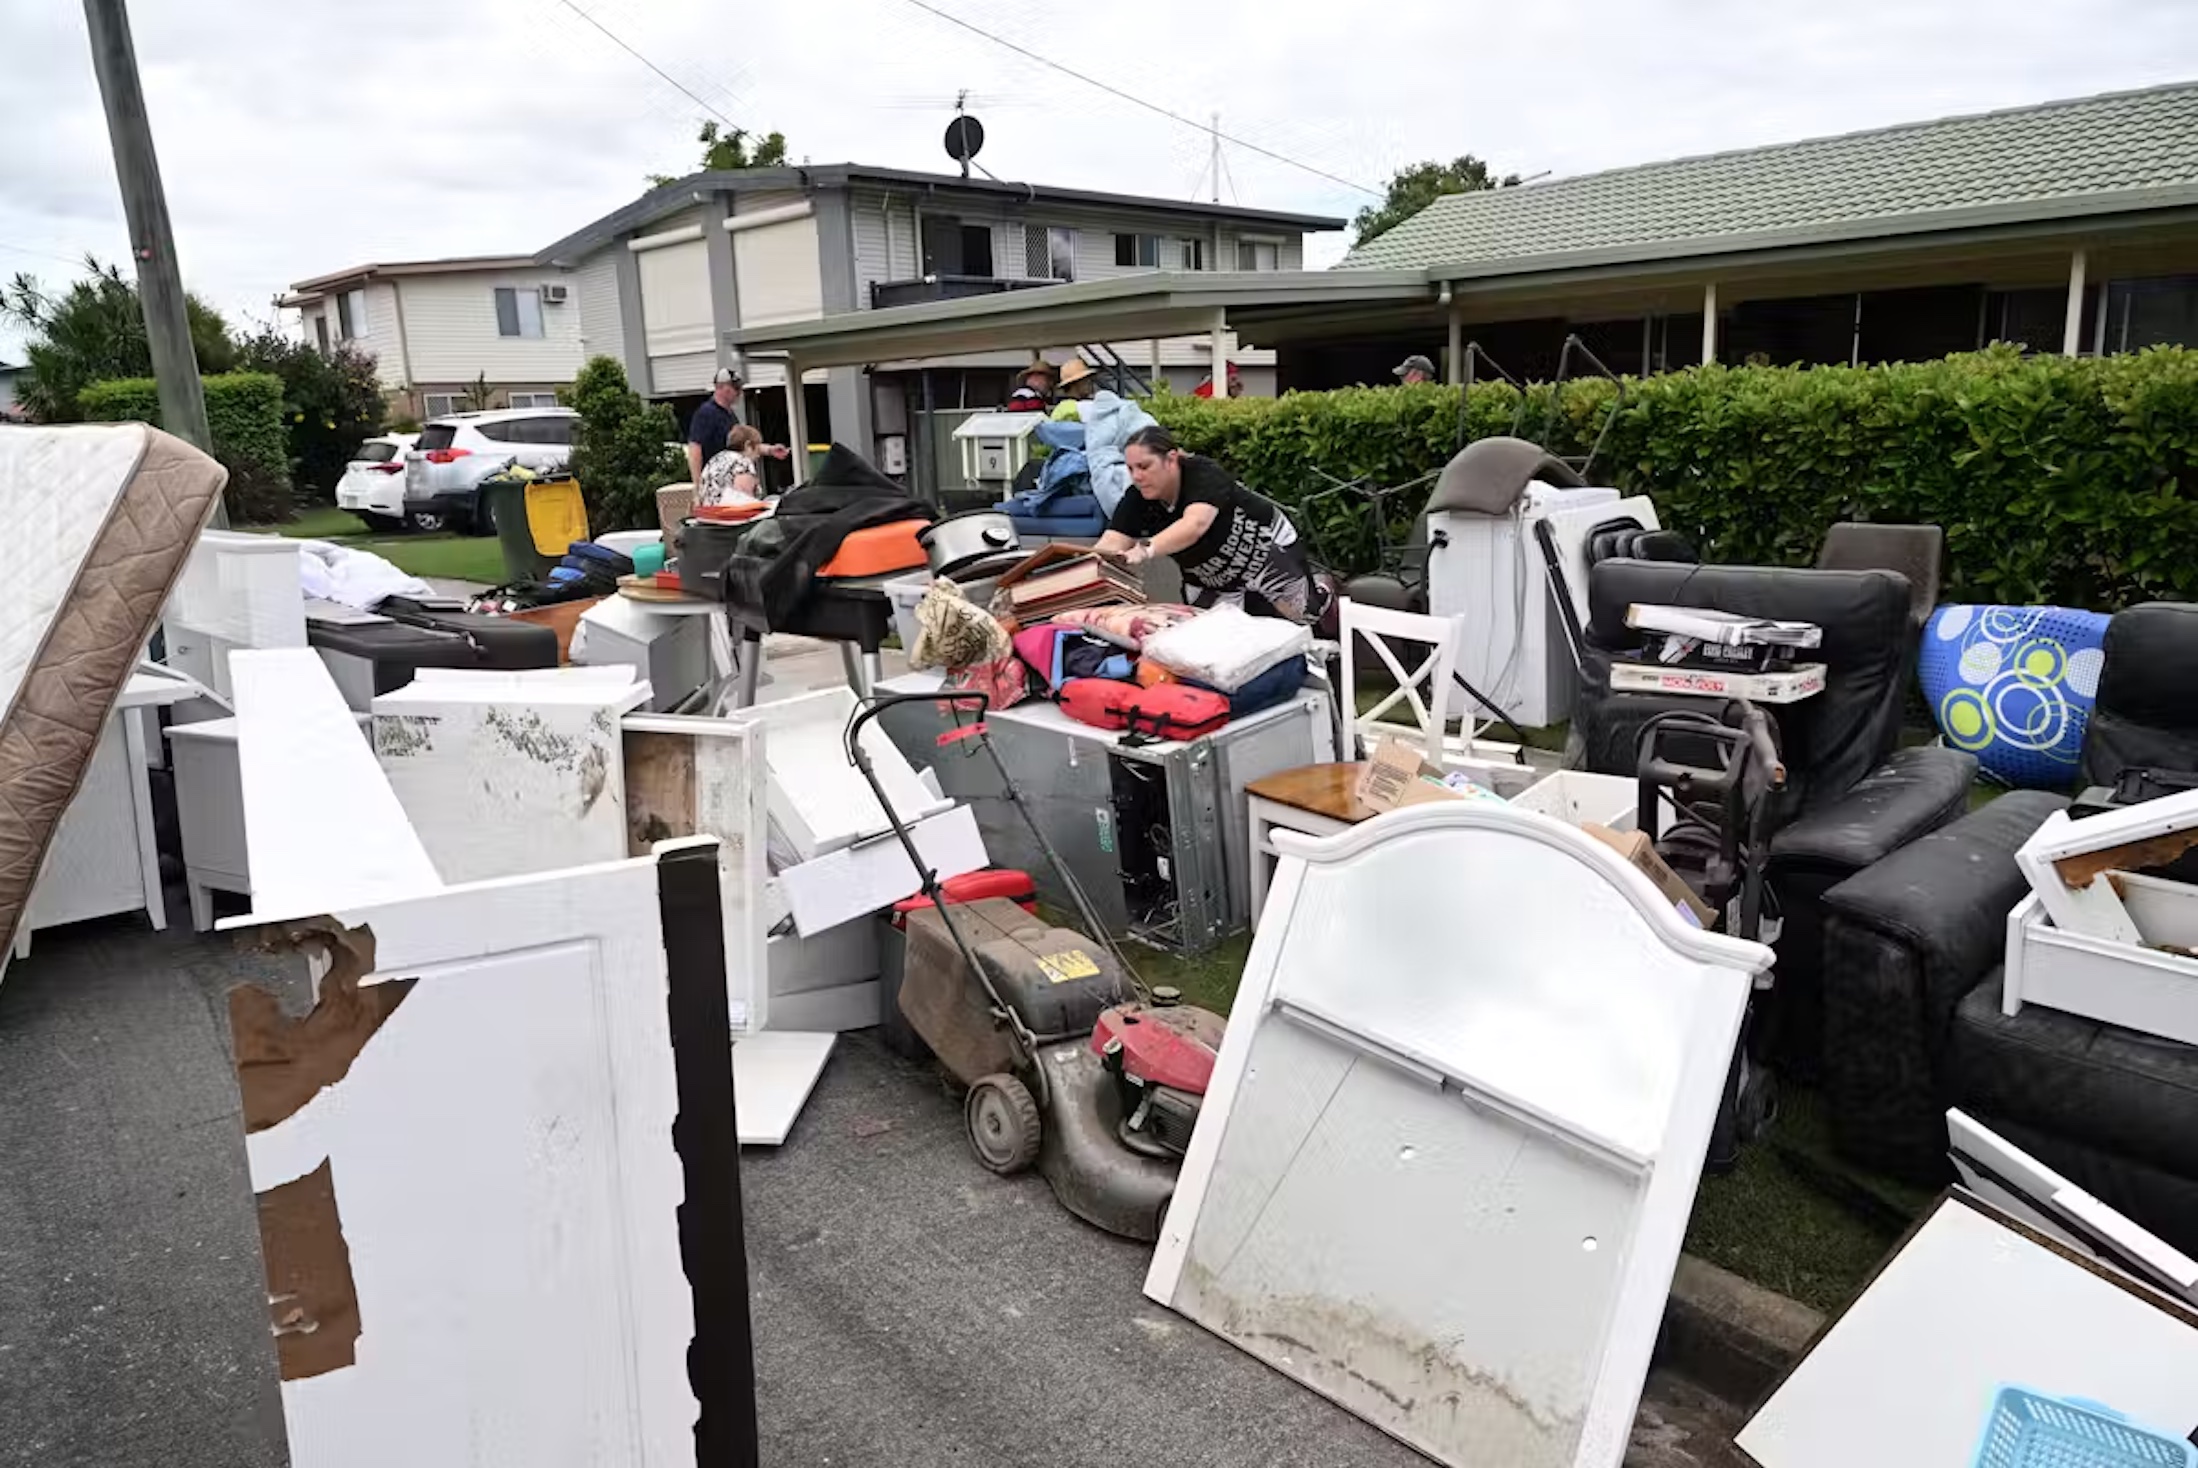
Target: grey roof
(681,193)
(2120,151)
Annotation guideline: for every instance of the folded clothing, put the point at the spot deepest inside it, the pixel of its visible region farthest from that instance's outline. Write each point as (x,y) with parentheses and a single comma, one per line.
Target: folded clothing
(1227,647)
(1059,653)
(1128,626)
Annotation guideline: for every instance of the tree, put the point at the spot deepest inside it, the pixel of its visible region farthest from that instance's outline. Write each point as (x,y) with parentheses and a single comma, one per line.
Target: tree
(729,151)
(477,397)
(1413,189)
(93,331)
(331,402)
(625,450)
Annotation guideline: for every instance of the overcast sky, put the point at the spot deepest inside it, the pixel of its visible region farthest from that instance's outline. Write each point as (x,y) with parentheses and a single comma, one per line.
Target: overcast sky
(304,136)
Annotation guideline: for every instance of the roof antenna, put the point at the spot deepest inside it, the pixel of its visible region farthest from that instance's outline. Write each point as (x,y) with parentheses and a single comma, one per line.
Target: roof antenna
(965,136)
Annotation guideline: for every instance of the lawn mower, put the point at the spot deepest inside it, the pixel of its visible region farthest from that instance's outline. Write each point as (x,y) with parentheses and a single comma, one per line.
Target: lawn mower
(1069,1061)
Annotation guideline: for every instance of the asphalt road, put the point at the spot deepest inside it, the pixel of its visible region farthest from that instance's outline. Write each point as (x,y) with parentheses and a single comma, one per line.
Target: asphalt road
(910,1309)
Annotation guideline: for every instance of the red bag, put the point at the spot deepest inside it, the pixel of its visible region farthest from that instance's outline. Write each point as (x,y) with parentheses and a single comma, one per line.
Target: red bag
(1102,703)
(1177,711)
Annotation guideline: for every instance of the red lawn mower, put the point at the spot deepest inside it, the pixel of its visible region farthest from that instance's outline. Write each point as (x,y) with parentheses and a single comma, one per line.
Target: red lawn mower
(1070,1062)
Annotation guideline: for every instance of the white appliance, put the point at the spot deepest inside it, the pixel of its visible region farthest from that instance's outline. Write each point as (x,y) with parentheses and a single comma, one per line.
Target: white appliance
(1489,570)
(670,654)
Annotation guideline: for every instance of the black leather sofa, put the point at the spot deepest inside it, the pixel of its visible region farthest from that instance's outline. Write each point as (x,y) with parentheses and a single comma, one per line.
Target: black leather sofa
(1913,950)
(1852,797)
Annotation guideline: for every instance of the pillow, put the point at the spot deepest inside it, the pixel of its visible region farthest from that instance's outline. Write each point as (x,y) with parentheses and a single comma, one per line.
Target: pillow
(1128,626)
(1227,647)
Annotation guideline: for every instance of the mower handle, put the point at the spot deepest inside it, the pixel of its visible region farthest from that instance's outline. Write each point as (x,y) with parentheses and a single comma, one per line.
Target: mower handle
(878,705)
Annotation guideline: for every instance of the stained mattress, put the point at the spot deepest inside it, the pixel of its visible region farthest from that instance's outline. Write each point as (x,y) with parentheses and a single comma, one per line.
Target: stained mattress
(101,521)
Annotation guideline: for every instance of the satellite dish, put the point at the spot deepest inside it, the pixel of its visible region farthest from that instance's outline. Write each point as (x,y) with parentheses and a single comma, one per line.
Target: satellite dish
(965,138)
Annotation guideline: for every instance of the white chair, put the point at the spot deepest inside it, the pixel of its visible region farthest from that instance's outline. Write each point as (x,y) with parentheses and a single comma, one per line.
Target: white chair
(1377,626)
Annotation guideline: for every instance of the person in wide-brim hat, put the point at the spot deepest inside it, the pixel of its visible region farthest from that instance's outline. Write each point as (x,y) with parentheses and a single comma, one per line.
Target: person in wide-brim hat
(1079,379)
(1034,389)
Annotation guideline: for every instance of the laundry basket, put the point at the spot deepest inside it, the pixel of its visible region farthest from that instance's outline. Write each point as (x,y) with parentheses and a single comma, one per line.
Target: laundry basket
(2030,1430)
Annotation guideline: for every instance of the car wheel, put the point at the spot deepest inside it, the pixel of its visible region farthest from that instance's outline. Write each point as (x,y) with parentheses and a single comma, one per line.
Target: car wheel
(482,521)
(426,522)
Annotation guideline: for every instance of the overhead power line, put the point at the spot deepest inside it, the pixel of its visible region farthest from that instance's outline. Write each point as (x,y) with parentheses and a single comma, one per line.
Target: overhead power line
(618,41)
(1134,99)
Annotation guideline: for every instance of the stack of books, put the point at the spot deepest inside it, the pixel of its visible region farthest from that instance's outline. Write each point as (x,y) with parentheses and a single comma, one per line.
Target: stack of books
(1072,584)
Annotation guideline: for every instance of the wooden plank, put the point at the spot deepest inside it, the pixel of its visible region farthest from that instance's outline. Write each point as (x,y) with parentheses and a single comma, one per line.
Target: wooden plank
(322,827)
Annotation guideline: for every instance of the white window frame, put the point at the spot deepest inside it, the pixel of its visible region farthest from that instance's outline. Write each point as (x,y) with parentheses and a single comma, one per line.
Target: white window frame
(521,297)
(1272,249)
(449,401)
(320,332)
(533,399)
(351,315)
(1193,253)
(1061,252)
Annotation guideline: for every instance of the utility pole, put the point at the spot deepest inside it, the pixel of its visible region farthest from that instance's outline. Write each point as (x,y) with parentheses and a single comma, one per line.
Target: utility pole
(1214,161)
(152,240)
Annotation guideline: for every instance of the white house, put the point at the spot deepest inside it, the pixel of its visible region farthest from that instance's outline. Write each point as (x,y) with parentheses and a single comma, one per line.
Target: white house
(436,327)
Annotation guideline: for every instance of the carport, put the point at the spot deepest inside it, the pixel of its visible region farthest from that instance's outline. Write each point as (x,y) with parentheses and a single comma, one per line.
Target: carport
(1266,308)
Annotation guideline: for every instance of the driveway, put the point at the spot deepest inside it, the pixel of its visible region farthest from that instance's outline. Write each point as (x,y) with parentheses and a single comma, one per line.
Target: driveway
(910,1309)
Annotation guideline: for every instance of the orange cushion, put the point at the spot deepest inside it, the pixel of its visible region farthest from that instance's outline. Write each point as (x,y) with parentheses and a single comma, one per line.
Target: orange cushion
(878,550)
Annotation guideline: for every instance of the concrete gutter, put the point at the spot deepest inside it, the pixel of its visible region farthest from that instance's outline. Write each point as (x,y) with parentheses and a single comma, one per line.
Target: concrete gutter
(1730,1337)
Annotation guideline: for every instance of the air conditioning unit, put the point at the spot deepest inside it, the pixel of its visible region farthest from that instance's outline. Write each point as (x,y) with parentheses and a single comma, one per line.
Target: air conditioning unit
(553,295)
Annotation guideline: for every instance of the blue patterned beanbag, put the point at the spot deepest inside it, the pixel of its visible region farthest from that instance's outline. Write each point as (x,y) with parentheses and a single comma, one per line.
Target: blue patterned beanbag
(2014,686)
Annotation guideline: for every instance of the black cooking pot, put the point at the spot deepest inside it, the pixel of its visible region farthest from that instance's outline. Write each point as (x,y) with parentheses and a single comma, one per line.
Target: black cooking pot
(960,540)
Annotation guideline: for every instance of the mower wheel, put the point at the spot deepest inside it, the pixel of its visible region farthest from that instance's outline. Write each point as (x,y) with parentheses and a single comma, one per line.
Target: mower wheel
(1003,1124)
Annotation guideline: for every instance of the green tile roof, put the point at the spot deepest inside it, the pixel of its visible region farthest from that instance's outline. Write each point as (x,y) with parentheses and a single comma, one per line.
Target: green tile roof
(2056,158)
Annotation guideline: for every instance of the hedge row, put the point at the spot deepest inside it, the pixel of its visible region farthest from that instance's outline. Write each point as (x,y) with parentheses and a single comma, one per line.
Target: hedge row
(2070,481)
(245,414)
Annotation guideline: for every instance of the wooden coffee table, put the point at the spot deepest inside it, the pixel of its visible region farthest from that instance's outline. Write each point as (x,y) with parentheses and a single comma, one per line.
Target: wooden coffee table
(1317,800)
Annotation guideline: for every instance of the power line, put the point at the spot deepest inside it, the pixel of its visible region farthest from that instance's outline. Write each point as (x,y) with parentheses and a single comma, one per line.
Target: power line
(47,254)
(1131,97)
(615,40)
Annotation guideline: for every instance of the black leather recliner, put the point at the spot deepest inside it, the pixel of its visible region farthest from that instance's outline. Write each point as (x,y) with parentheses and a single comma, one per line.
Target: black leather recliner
(1852,797)
(1913,950)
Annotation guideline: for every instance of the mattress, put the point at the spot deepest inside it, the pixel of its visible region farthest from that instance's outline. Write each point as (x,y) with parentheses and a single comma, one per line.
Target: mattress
(101,520)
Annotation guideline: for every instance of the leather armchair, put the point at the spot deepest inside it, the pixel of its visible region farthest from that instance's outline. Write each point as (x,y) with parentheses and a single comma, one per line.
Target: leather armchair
(1851,797)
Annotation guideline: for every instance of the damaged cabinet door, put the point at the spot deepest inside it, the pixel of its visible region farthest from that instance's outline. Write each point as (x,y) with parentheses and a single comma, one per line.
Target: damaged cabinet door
(472,1159)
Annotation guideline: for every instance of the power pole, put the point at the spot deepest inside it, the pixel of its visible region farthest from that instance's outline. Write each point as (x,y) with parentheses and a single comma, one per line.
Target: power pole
(152,239)
(1214,161)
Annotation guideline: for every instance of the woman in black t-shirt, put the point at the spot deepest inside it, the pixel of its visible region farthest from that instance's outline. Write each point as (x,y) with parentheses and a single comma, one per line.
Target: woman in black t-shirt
(1233,545)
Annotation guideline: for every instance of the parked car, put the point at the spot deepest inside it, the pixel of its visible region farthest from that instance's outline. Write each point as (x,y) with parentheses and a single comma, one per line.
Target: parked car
(373,482)
(444,470)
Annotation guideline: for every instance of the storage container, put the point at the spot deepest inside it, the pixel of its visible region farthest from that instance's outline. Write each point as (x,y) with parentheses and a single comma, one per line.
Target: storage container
(2138,988)
(1581,797)
(236,591)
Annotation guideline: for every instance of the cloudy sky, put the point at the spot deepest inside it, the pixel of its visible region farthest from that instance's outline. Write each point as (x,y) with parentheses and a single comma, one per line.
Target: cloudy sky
(304,136)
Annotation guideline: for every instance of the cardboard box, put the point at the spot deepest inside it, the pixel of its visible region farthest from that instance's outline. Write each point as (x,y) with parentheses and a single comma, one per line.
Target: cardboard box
(1637,849)
(1397,777)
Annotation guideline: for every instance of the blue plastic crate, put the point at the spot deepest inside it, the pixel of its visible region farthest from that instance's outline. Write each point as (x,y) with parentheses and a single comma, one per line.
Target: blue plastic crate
(2027,1429)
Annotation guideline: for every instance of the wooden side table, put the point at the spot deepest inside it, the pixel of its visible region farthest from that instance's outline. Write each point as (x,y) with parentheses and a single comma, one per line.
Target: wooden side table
(1318,800)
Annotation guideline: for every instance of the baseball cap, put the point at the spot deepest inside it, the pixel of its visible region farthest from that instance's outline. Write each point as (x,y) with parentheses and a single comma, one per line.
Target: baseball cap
(725,375)
(1415,361)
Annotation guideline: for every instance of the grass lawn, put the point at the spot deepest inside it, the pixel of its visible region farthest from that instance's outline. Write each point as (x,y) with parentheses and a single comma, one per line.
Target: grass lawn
(1777,1219)
(443,556)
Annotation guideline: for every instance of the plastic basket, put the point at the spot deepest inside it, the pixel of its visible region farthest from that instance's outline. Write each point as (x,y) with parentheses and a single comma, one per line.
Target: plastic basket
(2027,1429)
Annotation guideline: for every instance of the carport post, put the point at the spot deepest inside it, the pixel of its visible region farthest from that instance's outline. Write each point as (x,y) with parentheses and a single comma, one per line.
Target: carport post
(1220,354)
(797,425)
(2072,330)
(1453,361)
(1709,323)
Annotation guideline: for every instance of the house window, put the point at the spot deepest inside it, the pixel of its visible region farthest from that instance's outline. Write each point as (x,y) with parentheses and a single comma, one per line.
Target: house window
(1194,254)
(1258,255)
(534,400)
(1137,251)
(351,315)
(439,404)
(1049,253)
(320,331)
(518,312)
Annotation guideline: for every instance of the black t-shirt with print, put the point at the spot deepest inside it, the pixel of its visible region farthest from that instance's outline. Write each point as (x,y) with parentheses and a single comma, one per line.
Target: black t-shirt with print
(1245,525)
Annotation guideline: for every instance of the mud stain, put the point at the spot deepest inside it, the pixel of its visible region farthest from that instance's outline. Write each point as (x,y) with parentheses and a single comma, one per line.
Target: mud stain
(403,736)
(526,734)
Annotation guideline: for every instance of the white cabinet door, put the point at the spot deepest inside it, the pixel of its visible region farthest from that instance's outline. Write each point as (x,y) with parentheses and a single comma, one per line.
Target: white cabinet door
(471,1160)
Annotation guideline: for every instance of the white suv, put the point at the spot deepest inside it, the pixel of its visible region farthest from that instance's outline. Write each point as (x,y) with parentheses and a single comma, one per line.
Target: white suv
(444,469)
(372,486)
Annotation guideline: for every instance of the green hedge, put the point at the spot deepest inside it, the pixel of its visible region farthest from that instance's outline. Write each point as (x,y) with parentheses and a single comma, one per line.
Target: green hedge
(2057,480)
(244,410)
(244,413)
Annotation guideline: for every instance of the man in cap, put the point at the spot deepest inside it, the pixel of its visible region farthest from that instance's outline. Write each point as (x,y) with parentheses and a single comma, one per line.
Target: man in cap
(1414,368)
(713,422)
